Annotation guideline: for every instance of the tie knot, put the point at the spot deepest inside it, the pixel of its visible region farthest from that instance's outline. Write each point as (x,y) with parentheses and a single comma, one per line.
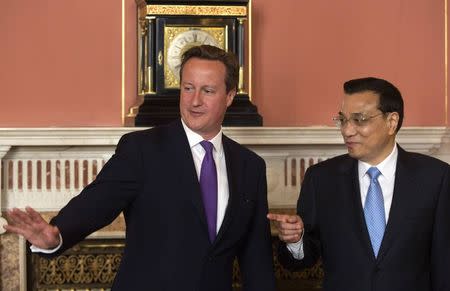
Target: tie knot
(208,146)
(373,172)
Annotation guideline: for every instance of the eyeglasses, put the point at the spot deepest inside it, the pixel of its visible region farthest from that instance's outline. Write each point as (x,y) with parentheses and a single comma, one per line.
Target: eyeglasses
(357,119)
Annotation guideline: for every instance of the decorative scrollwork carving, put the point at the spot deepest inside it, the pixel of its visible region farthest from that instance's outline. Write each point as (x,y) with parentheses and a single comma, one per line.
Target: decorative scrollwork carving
(79,269)
(89,265)
(197,10)
(93,265)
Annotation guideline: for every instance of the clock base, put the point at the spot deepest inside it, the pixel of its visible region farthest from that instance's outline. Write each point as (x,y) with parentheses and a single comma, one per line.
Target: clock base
(158,110)
(242,113)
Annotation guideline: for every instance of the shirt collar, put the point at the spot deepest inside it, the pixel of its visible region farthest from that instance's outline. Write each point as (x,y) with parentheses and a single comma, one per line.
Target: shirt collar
(386,167)
(195,138)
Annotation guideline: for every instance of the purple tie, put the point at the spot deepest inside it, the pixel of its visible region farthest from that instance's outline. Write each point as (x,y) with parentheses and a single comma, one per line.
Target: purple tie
(208,185)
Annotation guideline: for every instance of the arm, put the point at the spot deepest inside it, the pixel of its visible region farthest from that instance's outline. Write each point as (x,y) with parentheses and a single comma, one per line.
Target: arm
(290,231)
(96,206)
(256,256)
(307,210)
(101,202)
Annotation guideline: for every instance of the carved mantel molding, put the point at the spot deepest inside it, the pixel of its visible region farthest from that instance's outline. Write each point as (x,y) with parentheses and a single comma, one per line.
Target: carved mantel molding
(45,167)
(420,137)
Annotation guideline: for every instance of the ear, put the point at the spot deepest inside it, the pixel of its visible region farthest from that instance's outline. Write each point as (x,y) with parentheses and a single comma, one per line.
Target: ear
(392,120)
(230,97)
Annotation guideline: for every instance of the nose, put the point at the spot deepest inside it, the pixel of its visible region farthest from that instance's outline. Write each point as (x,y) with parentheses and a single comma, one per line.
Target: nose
(197,99)
(348,129)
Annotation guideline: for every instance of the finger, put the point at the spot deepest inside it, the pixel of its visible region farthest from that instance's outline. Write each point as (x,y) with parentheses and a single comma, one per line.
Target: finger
(273,216)
(22,217)
(293,219)
(290,231)
(12,217)
(290,226)
(16,230)
(287,226)
(277,217)
(289,238)
(34,215)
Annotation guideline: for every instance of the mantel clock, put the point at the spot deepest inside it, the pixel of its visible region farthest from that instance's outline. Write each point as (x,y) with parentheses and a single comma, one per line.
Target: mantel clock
(166,29)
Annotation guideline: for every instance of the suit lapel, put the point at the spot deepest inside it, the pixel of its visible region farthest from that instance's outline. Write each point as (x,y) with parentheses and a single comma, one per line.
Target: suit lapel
(403,186)
(235,169)
(182,156)
(350,186)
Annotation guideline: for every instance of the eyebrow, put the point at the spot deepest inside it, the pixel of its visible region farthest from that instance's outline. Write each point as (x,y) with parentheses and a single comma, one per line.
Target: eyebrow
(353,113)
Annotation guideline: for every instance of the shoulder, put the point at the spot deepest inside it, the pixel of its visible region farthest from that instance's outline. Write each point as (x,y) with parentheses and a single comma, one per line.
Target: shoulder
(421,158)
(155,135)
(235,148)
(421,162)
(154,132)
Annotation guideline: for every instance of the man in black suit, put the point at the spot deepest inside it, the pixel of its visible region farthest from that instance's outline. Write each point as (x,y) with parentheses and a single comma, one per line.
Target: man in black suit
(174,241)
(379,217)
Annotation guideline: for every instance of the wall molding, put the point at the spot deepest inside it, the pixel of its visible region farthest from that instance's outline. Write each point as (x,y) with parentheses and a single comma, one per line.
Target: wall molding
(244,135)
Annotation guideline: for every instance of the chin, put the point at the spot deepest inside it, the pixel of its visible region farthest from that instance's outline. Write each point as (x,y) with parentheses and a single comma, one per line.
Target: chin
(193,126)
(191,122)
(353,154)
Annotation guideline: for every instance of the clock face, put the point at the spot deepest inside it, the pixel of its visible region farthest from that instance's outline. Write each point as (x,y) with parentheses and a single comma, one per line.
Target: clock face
(182,43)
(179,39)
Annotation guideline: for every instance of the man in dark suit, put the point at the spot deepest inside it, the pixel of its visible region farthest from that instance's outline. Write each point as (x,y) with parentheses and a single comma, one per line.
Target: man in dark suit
(379,217)
(192,198)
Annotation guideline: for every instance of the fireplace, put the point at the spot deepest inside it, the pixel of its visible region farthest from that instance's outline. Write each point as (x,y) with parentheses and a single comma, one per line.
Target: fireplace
(92,264)
(46,167)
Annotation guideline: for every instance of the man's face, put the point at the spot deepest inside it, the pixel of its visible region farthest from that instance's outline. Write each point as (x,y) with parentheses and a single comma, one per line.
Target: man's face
(203,96)
(371,140)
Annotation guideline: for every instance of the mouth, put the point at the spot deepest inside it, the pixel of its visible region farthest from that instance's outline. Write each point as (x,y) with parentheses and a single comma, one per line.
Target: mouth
(350,144)
(196,113)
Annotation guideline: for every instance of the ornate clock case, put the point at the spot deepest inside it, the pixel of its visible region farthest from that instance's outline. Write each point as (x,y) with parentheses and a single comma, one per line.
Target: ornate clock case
(168,28)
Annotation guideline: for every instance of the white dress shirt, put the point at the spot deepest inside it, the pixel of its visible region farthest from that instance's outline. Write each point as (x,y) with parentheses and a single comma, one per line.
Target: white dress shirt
(386,180)
(198,153)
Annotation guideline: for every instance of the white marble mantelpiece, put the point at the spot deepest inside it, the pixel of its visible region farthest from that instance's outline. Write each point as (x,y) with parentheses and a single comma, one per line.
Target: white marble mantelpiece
(45,167)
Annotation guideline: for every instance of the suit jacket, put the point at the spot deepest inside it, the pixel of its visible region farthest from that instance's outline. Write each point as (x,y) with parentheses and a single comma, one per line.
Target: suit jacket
(415,251)
(152,179)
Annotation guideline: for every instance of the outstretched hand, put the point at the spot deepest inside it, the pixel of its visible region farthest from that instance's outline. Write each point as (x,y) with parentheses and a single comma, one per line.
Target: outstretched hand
(290,227)
(32,227)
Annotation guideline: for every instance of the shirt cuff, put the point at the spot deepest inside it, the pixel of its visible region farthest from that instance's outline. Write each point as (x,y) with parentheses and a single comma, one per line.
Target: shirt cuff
(296,249)
(35,249)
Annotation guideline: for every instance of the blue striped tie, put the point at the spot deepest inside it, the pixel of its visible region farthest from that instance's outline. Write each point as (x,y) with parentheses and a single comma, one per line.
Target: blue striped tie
(374,210)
